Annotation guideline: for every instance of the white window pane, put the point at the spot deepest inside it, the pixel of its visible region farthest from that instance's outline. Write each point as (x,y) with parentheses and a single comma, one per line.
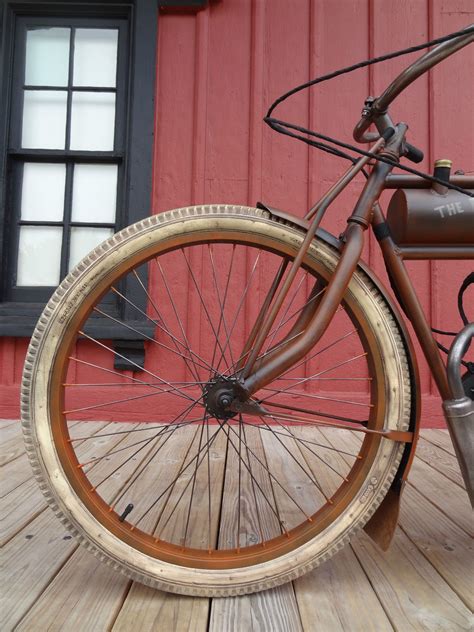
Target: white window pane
(93,121)
(44,119)
(83,240)
(39,255)
(95,57)
(42,191)
(94,193)
(47,57)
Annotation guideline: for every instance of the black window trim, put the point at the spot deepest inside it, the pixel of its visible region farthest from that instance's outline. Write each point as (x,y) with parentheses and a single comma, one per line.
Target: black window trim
(17,319)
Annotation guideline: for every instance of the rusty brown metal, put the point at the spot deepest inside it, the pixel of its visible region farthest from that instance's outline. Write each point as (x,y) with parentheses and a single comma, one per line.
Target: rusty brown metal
(259,373)
(398,181)
(426,217)
(376,110)
(381,527)
(419,253)
(317,216)
(407,295)
(262,313)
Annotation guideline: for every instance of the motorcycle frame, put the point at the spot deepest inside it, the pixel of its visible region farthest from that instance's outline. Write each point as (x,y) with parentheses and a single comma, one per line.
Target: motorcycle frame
(313,321)
(255,372)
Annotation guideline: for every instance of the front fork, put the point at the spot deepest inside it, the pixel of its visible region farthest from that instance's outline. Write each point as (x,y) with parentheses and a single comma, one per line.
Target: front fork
(257,372)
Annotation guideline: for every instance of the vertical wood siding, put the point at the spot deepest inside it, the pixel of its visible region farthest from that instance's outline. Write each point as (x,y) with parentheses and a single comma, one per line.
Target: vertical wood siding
(217,72)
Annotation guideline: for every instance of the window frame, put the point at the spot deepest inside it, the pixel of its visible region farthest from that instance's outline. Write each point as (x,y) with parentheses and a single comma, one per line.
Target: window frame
(18,317)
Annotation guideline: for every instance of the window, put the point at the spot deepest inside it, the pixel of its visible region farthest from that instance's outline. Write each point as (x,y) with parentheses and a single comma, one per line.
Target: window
(77,121)
(67,142)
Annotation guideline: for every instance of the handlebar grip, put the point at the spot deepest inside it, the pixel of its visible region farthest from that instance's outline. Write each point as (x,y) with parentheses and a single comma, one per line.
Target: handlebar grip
(413,153)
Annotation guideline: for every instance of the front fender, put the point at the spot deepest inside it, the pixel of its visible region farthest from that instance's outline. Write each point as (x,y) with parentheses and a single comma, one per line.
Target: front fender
(381,526)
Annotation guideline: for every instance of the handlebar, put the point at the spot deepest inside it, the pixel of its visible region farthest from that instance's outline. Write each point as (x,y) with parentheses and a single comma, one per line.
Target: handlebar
(375,110)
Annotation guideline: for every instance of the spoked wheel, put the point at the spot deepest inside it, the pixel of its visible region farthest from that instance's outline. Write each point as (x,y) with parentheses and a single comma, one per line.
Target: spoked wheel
(151,468)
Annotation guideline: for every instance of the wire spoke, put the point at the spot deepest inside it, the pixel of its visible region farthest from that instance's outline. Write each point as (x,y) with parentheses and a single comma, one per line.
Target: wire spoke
(308,474)
(119,432)
(222,320)
(272,476)
(298,311)
(166,429)
(318,413)
(115,384)
(299,439)
(140,368)
(121,401)
(312,396)
(206,311)
(147,460)
(192,367)
(176,313)
(274,509)
(239,493)
(194,477)
(304,380)
(181,471)
(209,499)
(330,424)
(152,340)
(293,436)
(146,442)
(317,353)
(239,307)
(257,509)
(282,322)
(156,323)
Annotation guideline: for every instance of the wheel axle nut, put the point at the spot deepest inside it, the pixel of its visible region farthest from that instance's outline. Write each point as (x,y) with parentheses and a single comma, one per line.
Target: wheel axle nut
(225,400)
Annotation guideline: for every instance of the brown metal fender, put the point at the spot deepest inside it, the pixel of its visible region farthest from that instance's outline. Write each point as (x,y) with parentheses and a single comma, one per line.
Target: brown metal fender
(381,526)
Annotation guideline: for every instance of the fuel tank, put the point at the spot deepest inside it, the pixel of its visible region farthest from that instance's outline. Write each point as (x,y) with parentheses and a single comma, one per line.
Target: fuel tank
(437,216)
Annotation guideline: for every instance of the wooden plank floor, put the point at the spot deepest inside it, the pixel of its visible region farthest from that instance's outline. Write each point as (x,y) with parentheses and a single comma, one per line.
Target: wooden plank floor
(424,582)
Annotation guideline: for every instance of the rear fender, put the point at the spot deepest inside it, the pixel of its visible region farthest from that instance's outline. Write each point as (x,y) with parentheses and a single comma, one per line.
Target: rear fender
(381,526)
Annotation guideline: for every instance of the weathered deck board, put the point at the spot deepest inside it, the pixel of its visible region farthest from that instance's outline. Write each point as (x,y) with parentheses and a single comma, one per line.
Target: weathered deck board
(338,596)
(411,590)
(440,540)
(275,609)
(85,595)
(11,441)
(4,423)
(148,610)
(423,583)
(19,508)
(13,474)
(442,461)
(319,592)
(440,438)
(24,570)
(450,498)
(30,562)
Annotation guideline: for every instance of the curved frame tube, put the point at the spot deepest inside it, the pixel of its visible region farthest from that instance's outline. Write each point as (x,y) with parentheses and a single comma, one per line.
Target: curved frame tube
(378,108)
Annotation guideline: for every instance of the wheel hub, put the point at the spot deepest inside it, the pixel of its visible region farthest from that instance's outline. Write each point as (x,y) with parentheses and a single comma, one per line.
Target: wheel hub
(218,395)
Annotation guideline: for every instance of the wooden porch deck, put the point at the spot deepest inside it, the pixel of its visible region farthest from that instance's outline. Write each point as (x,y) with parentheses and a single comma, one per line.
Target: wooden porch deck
(425,581)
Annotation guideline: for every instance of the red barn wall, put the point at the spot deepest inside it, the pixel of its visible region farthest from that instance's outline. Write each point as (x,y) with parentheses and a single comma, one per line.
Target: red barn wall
(219,69)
